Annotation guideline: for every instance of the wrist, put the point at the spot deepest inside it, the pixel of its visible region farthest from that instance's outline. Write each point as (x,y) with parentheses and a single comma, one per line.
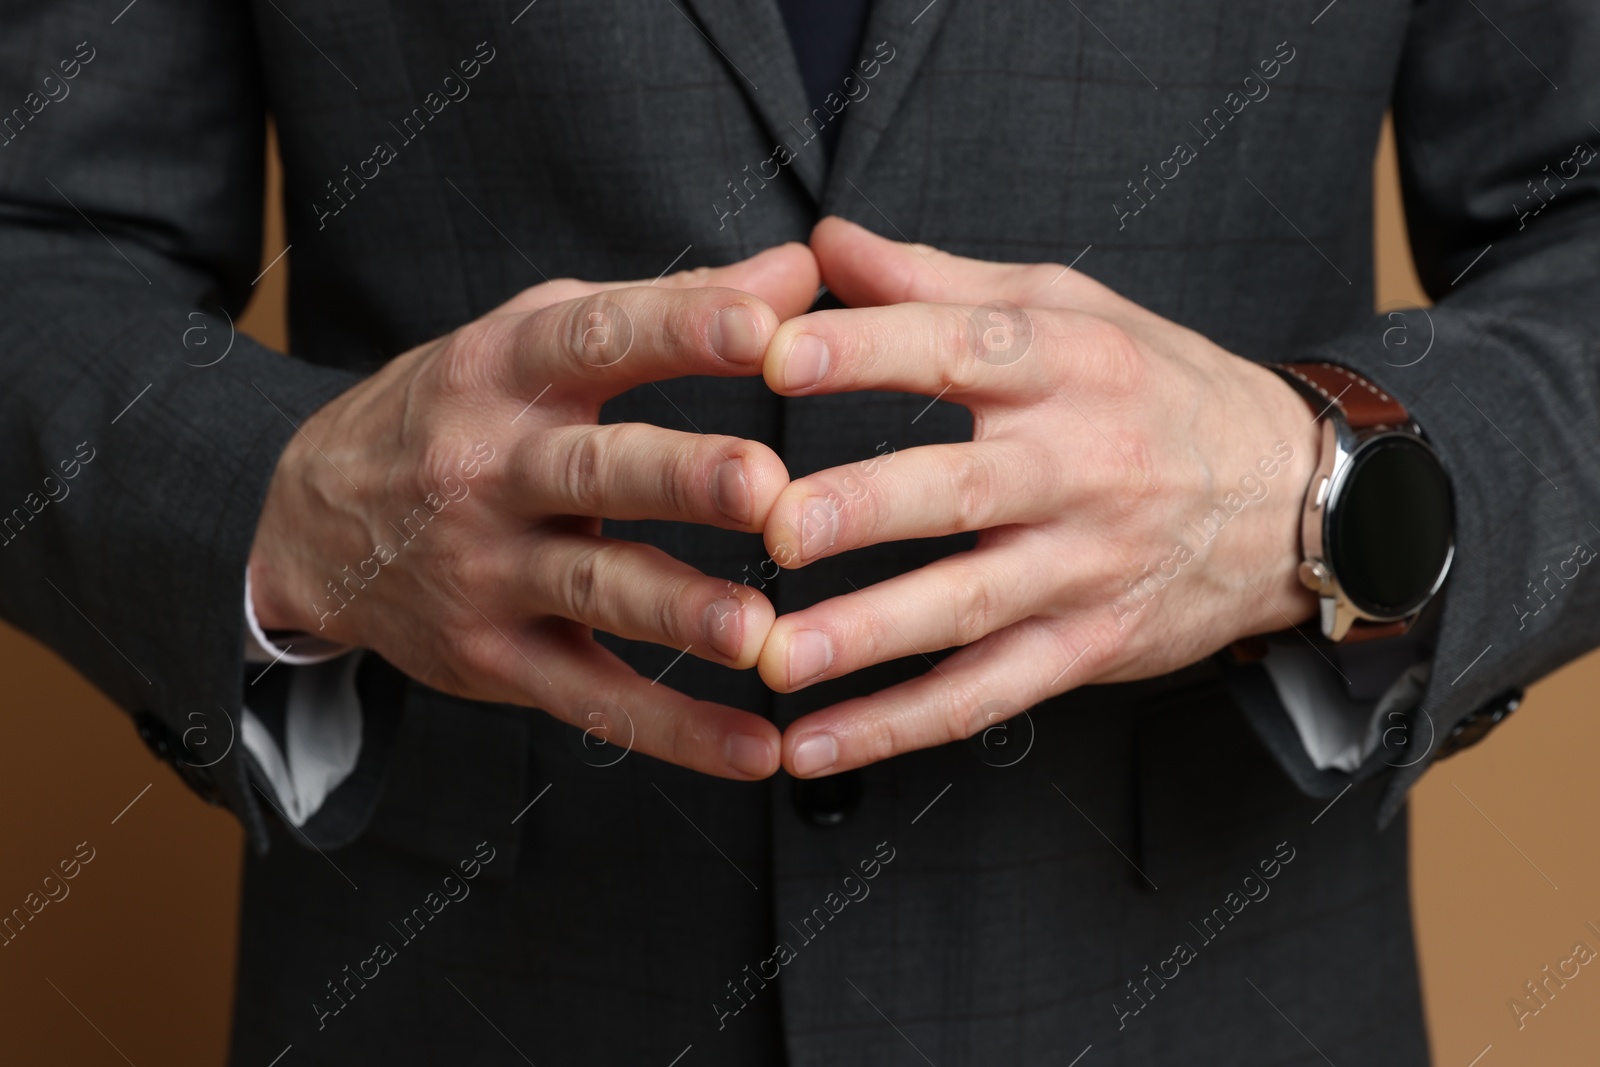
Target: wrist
(1300,436)
(270,574)
(282,582)
(267,600)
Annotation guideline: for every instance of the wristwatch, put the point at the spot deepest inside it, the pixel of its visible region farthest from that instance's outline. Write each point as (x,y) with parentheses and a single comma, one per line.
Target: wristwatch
(1377,530)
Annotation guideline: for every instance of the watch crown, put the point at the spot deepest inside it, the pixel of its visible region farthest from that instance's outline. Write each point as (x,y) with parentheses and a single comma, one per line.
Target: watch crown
(1314,576)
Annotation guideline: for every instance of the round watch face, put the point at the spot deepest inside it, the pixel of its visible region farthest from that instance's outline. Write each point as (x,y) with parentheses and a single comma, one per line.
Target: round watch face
(1389,530)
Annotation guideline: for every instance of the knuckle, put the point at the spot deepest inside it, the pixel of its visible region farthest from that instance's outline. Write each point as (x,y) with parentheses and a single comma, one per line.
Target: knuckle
(574,321)
(1000,333)
(1120,367)
(1047,277)
(872,642)
(1095,649)
(582,468)
(671,607)
(436,466)
(581,585)
(975,607)
(685,481)
(592,333)
(961,339)
(885,740)
(688,740)
(863,636)
(468,361)
(466,651)
(1108,649)
(685,320)
(972,477)
(556,290)
(693,278)
(959,720)
(474,654)
(974,613)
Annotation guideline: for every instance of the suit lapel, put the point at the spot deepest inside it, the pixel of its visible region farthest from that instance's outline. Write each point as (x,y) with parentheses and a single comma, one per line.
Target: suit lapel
(753,41)
(909,27)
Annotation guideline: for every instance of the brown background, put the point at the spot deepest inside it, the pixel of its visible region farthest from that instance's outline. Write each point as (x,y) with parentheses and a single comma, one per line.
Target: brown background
(135,964)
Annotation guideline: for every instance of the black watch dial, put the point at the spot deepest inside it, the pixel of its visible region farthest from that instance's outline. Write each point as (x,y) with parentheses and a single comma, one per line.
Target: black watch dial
(1390,528)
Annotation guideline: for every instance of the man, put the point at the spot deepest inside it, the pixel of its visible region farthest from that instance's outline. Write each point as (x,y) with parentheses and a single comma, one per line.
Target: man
(1044,438)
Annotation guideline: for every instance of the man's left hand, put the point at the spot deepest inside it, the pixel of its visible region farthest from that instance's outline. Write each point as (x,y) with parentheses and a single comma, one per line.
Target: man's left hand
(1137,489)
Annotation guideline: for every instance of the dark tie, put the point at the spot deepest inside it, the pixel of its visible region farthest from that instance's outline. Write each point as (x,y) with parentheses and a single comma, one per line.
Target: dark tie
(826,37)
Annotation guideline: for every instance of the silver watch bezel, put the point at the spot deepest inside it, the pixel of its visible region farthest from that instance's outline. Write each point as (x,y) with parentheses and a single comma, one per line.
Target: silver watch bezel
(1341,443)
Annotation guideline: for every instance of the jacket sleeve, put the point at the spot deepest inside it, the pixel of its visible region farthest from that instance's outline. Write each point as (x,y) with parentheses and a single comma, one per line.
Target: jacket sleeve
(1501,180)
(134,460)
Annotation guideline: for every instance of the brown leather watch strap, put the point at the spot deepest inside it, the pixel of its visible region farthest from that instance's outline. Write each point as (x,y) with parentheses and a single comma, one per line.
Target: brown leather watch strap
(1365,406)
(1367,630)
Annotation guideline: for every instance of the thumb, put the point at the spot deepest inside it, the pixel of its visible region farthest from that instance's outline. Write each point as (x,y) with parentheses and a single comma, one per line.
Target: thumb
(865,270)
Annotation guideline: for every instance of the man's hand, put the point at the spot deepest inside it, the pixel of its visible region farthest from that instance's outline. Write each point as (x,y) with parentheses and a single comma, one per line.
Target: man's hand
(446,511)
(1138,489)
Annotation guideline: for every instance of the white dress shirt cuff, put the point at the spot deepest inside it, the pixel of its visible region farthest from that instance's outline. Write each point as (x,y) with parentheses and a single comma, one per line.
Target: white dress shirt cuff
(1339,731)
(322,722)
(322,737)
(259,648)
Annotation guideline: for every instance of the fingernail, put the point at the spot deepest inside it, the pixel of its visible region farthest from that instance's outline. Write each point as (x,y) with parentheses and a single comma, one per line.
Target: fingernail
(815,754)
(810,653)
(749,755)
(730,493)
(723,625)
(734,337)
(819,526)
(807,363)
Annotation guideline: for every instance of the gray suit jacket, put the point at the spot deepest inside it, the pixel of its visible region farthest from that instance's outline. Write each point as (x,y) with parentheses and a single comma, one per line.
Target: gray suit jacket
(1153,873)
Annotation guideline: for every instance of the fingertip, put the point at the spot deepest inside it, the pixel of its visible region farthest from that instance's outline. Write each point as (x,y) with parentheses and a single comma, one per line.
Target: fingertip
(737,626)
(786,276)
(743,480)
(753,756)
(866,269)
(770,661)
(765,479)
(837,243)
(740,331)
(777,353)
(782,539)
(797,358)
(795,655)
(803,274)
(804,524)
(812,754)
(835,227)
(760,616)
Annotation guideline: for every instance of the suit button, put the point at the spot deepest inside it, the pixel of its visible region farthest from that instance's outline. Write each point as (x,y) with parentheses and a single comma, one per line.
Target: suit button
(1476,726)
(153,732)
(827,801)
(170,748)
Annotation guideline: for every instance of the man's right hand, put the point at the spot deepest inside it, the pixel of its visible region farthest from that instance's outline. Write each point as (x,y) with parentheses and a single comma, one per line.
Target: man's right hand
(446,511)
